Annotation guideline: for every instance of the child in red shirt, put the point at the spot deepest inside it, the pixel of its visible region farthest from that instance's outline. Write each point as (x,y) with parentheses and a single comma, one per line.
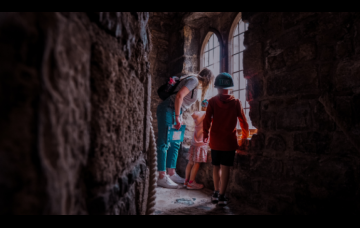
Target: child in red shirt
(223,111)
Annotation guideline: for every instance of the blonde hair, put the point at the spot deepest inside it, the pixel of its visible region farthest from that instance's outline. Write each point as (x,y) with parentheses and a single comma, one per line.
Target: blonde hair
(206,78)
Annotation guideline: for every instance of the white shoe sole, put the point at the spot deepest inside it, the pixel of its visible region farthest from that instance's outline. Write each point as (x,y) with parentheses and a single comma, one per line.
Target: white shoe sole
(168,186)
(178,182)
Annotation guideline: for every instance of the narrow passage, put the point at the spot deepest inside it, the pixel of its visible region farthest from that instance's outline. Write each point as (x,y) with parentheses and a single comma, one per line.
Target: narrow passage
(195,202)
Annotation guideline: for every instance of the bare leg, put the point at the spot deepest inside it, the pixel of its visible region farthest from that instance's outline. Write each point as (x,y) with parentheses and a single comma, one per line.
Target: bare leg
(162,174)
(188,170)
(194,171)
(171,171)
(225,174)
(216,177)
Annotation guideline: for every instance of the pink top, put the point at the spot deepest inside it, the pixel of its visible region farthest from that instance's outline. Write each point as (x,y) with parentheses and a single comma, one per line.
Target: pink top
(198,138)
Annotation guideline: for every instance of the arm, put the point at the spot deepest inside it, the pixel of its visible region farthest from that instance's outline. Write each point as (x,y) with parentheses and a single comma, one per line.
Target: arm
(178,102)
(243,122)
(207,122)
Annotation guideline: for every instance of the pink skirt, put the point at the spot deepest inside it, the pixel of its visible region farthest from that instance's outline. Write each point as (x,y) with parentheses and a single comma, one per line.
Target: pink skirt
(198,154)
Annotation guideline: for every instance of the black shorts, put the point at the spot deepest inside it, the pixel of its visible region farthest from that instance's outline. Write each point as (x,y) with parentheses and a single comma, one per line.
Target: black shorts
(225,158)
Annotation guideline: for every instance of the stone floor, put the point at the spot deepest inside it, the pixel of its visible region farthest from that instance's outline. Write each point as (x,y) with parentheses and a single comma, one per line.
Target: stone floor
(190,202)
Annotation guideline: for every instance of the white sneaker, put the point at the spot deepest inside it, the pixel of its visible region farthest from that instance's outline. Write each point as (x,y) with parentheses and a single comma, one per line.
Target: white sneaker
(166,182)
(177,179)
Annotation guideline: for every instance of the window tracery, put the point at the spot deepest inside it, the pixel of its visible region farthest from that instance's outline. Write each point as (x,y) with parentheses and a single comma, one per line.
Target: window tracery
(236,51)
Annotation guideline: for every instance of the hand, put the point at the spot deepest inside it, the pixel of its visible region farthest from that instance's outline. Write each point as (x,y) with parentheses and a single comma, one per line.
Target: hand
(242,144)
(206,140)
(178,123)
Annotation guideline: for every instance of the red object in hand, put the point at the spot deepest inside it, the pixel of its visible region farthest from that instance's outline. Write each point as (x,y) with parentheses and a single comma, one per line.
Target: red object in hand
(178,123)
(171,81)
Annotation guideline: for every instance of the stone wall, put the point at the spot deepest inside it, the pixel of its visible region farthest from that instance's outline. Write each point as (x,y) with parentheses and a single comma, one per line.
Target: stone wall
(303,88)
(161,27)
(75,98)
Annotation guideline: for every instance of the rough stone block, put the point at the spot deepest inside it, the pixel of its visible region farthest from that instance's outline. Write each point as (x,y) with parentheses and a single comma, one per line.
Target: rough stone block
(299,81)
(344,48)
(292,19)
(182,160)
(253,61)
(340,144)
(312,142)
(276,143)
(326,53)
(255,113)
(268,120)
(296,116)
(275,62)
(123,185)
(134,174)
(356,109)
(307,51)
(257,142)
(286,40)
(321,120)
(347,75)
(344,109)
(254,88)
(291,55)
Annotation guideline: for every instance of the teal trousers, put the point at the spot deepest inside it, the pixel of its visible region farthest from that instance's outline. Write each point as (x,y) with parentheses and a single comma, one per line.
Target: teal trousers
(167,153)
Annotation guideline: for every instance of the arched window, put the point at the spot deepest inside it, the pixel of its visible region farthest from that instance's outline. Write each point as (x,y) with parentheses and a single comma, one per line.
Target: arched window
(211,58)
(236,51)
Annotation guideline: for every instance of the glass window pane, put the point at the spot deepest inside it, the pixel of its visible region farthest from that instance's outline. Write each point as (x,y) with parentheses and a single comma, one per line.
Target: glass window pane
(242,80)
(236,45)
(248,118)
(216,41)
(236,85)
(242,27)
(236,30)
(206,59)
(211,41)
(236,62)
(241,61)
(216,71)
(211,57)
(242,47)
(243,97)
(217,54)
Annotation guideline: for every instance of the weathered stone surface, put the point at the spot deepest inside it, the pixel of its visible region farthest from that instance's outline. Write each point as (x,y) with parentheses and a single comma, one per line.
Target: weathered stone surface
(302,139)
(347,75)
(82,83)
(276,143)
(253,59)
(312,142)
(255,113)
(299,81)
